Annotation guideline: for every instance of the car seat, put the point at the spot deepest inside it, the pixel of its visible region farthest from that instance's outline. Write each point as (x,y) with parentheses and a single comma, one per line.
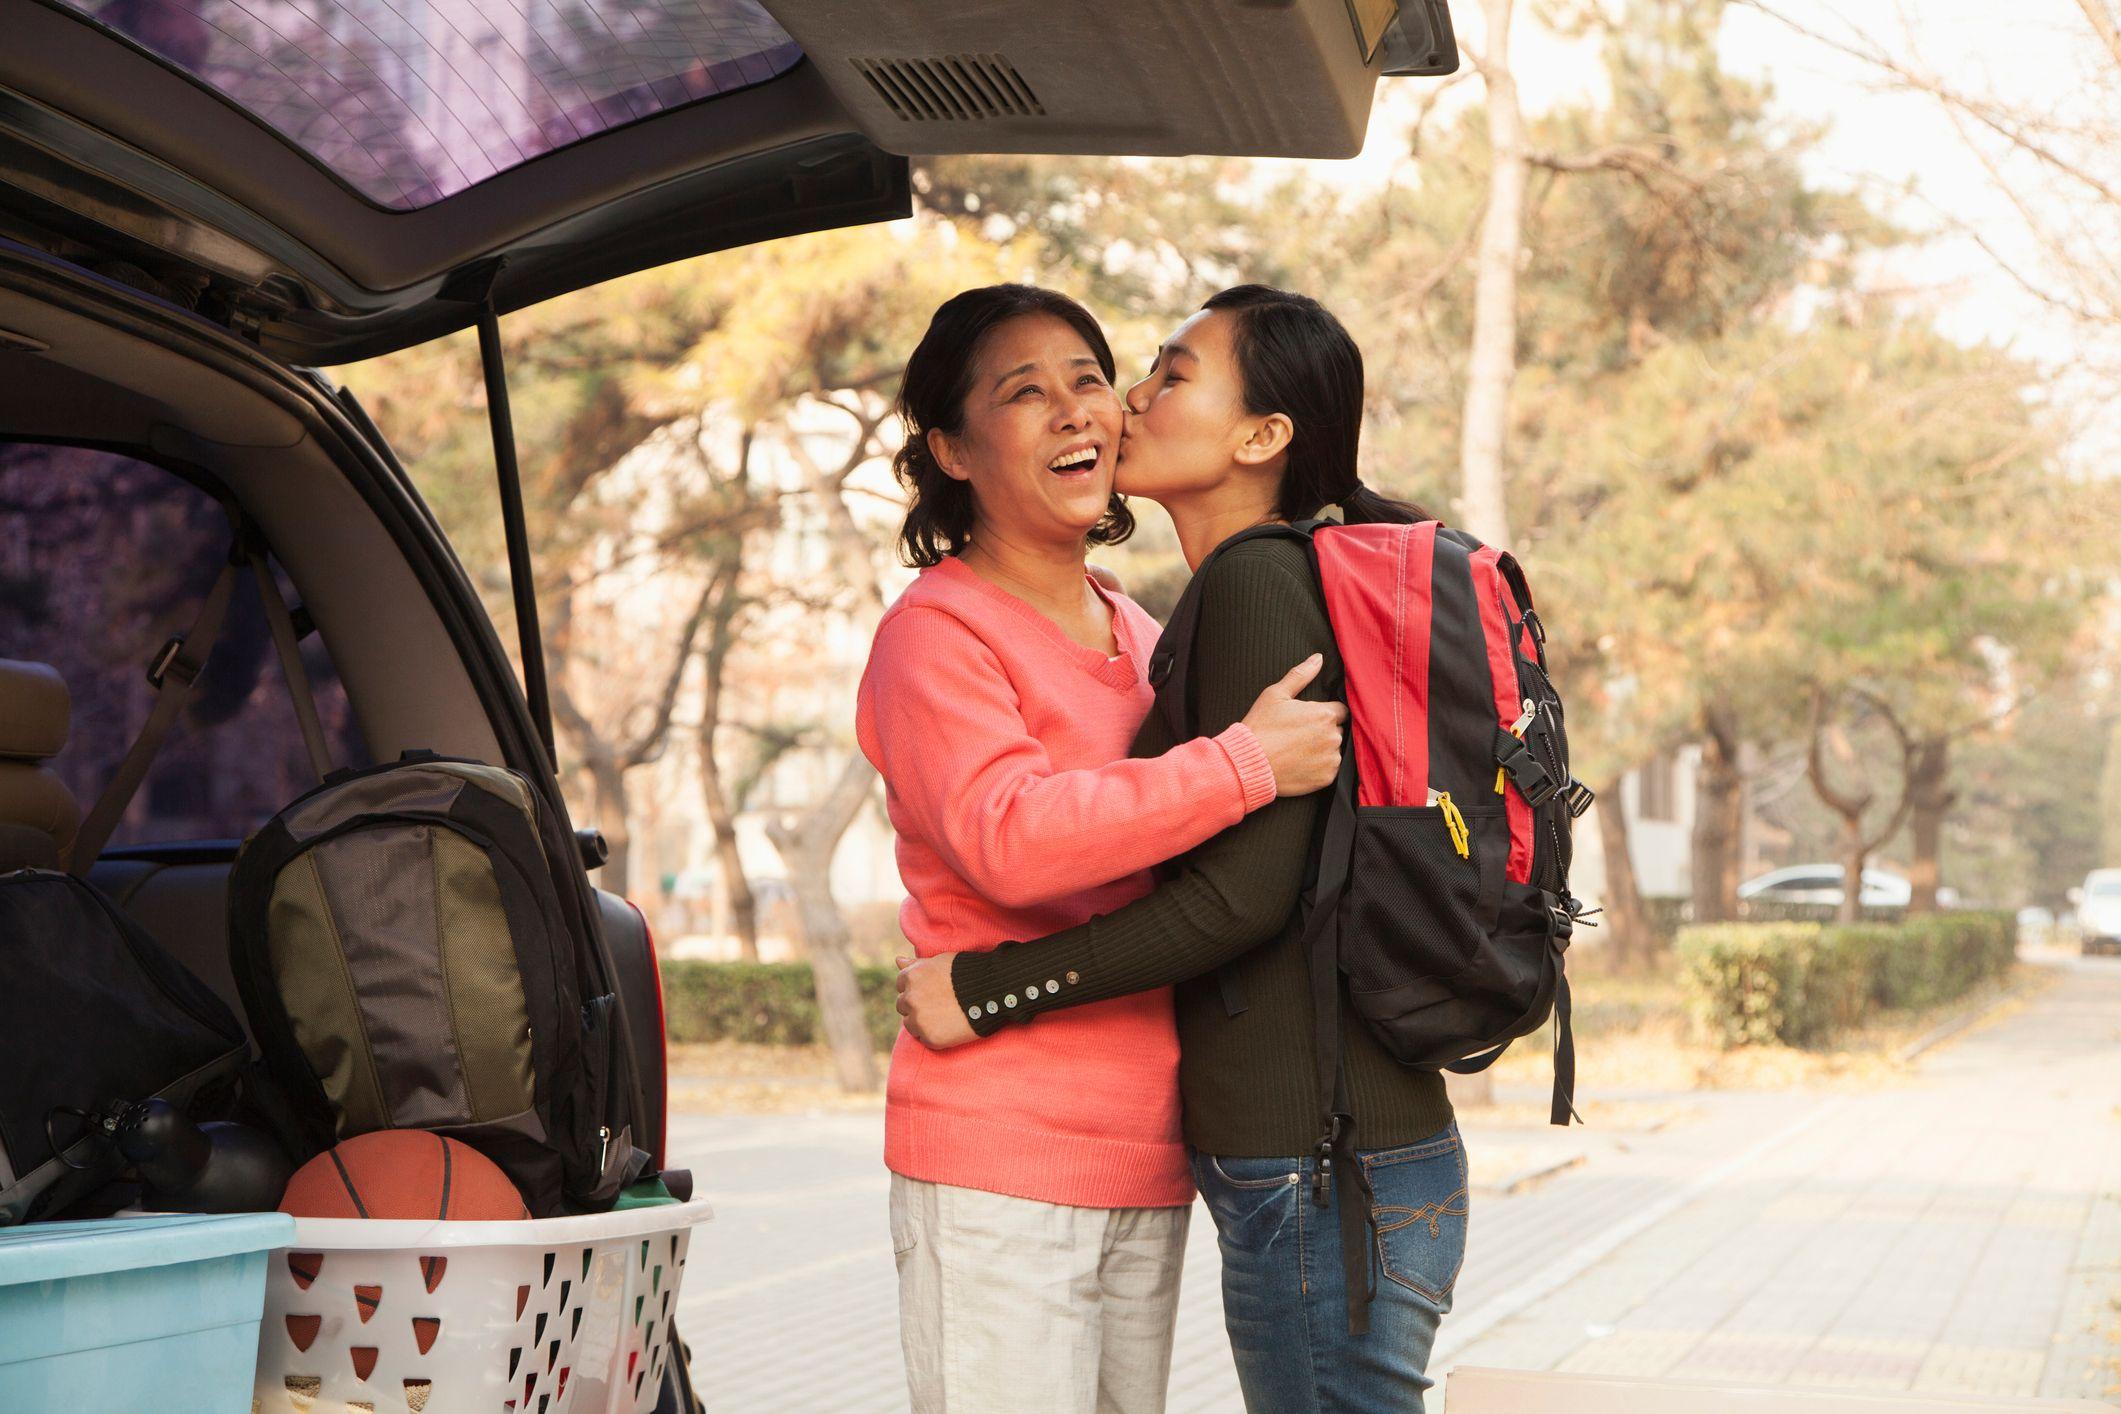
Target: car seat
(38,814)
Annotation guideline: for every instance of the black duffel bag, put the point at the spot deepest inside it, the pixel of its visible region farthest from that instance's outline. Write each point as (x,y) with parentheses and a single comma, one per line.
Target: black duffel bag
(94,1018)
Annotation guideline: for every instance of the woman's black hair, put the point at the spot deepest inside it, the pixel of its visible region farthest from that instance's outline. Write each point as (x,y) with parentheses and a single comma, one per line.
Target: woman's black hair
(1295,358)
(932,398)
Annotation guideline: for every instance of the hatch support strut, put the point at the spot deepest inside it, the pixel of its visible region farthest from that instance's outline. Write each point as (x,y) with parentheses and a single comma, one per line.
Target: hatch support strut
(519,572)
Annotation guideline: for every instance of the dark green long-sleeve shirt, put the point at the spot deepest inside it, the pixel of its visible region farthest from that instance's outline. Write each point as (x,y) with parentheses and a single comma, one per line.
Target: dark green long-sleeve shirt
(1247,1080)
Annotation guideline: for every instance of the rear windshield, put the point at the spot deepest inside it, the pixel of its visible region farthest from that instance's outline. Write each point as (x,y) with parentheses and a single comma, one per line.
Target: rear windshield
(410,101)
(102,560)
(2105,886)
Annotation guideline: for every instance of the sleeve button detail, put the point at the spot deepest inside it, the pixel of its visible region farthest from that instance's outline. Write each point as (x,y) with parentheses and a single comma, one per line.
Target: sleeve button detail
(1074,977)
(973,1012)
(1031,992)
(1009,1000)
(1051,985)
(991,1008)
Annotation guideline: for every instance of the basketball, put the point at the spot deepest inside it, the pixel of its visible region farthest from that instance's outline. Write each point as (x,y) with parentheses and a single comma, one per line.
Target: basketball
(403,1173)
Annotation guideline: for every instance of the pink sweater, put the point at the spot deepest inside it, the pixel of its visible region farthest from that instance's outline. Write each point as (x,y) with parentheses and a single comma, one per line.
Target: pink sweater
(1003,746)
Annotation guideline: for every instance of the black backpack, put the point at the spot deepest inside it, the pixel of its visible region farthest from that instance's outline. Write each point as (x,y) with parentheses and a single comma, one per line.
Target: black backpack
(411,956)
(1440,878)
(94,1017)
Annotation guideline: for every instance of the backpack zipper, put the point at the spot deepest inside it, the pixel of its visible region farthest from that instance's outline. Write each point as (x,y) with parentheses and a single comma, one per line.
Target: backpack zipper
(1454,821)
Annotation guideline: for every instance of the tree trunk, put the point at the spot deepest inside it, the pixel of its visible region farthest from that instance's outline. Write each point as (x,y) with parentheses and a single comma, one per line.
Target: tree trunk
(806,846)
(1850,805)
(1719,808)
(606,759)
(1855,853)
(2110,798)
(743,904)
(722,804)
(1930,797)
(612,817)
(1626,920)
(1491,368)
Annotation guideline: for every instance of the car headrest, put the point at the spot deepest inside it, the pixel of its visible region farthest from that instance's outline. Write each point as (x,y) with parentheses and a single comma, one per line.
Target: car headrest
(38,817)
(35,711)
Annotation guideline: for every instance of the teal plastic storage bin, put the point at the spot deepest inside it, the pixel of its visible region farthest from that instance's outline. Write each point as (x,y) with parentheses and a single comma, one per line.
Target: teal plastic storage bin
(134,1314)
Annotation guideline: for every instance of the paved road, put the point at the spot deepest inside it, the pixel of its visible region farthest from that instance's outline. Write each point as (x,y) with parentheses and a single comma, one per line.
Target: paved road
(1959,1230)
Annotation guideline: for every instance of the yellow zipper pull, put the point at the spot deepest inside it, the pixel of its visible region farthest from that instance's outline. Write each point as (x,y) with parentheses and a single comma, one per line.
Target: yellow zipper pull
(1461,837)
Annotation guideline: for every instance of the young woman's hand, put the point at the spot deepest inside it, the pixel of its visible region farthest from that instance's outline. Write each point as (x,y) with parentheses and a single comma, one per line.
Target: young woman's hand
(927,1003)
(1301,739)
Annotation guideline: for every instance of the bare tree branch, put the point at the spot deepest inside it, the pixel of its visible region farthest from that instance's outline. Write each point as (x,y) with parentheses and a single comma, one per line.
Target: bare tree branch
(2103,24)
(1987,114)
(646,745)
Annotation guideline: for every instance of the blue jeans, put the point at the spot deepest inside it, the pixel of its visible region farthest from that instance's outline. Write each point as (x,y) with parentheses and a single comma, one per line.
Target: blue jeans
(1285,1294)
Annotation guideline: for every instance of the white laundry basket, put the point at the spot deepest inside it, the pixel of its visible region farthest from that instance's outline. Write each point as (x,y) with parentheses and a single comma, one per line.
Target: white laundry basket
(555,1316)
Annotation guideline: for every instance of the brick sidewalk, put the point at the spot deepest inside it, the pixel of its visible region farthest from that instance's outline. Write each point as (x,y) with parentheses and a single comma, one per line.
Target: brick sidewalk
(1959,1231)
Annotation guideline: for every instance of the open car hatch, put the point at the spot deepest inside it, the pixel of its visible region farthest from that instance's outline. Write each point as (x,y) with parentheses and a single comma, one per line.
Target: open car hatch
(340,178)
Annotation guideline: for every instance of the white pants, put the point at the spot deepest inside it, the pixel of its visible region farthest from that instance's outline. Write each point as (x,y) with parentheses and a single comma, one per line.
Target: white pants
(1021,1307)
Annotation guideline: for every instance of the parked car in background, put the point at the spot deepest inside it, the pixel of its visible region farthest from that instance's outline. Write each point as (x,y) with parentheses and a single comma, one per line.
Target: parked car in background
(1819,886)
(2098,901)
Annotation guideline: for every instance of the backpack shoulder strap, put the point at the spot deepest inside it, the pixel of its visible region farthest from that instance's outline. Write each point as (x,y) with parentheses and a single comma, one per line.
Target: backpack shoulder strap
(1170,666)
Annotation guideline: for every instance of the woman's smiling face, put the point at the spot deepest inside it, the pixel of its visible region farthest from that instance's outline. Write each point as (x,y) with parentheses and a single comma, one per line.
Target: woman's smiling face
(1040,434)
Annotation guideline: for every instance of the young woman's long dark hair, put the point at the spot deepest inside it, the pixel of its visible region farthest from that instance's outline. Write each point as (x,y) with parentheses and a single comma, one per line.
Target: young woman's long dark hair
(932,398)
(1296,359)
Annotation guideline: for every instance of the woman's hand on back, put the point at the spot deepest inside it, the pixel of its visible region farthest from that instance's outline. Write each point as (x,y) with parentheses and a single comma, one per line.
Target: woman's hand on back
(1301,739)
(927,1003)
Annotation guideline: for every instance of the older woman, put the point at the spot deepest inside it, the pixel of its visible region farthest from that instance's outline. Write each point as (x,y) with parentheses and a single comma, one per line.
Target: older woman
(1040,1183)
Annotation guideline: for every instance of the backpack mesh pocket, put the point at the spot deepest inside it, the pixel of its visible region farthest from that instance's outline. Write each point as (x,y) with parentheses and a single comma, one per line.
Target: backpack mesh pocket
(1413,899)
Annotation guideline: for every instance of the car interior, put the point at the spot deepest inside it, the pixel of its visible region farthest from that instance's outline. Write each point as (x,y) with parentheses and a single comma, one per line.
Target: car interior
(404,678)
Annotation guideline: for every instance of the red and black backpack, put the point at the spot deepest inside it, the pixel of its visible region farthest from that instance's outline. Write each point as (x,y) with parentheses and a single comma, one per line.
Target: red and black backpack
(1442,867)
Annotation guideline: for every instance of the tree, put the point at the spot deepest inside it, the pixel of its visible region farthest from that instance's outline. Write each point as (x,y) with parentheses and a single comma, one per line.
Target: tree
(2110,800)
(728,606)
(1658,231)
(819,331)
(1719,818)
(1852,802)
(2025,824)
(2049,154)
(1491,366)
(614,484)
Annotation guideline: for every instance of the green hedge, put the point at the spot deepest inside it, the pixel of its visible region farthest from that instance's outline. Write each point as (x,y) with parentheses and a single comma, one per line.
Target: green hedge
(1803,984)
(769,1003)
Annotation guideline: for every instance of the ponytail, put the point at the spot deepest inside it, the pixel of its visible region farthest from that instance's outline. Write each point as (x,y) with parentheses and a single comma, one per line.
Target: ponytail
(1362,506)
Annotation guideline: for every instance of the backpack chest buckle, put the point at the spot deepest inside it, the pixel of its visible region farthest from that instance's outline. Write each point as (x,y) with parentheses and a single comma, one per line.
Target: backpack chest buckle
(1533,780)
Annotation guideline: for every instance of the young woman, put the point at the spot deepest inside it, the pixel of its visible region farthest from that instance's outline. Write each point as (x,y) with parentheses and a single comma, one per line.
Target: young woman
(1251,414)
(1039,1183)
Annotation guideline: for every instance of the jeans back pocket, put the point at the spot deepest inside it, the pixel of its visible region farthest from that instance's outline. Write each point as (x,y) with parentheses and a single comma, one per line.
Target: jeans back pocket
(1422,1208)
